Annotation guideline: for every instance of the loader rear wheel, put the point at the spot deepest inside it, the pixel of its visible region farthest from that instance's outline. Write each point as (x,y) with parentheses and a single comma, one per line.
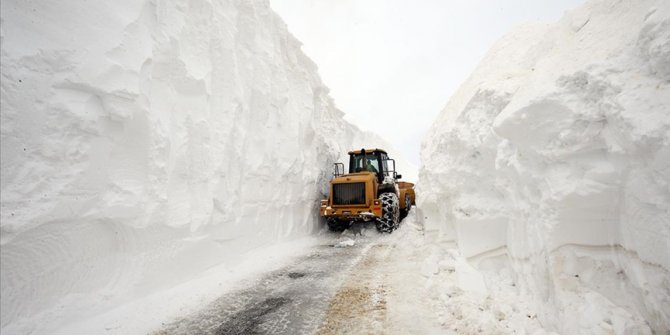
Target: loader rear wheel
(337,225)
(408,206)
(388,222)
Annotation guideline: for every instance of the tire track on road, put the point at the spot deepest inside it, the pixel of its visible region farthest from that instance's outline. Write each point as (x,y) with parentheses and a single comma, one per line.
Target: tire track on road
(359,306)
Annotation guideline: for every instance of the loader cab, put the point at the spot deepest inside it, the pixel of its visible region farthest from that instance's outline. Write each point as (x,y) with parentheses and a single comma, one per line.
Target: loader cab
(375,161)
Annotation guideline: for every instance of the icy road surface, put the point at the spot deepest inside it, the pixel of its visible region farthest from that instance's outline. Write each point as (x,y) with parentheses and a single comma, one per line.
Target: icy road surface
(359,283)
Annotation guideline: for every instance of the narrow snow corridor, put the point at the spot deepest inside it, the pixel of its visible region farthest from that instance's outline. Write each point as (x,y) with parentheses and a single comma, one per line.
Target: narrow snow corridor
(167,168)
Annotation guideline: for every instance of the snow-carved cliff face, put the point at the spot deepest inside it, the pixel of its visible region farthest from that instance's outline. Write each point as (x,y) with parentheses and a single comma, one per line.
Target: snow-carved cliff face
(145,141)
(557,152)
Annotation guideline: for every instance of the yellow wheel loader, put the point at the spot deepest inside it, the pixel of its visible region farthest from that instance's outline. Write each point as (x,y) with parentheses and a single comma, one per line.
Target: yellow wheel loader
(370,191)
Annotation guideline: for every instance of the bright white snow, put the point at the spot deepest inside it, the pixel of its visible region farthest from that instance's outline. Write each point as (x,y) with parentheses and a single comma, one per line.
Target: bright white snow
(144,142)
(155,151)
(551,167)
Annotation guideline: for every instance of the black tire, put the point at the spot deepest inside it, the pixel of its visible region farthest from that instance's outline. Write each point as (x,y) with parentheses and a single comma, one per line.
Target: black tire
(408,206)
(389,220)
(337,225)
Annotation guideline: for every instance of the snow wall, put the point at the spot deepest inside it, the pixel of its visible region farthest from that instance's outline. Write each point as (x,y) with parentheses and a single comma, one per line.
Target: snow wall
(552,161)
(146,141)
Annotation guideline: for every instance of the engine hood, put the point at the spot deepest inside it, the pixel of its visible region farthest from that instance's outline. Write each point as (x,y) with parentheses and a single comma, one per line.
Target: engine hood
(354,177)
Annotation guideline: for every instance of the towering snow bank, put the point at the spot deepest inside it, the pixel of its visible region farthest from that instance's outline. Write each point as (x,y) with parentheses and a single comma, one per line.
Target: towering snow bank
(146,141)
(556,152)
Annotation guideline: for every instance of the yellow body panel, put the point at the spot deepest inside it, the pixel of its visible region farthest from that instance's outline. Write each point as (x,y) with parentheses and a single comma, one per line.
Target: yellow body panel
(372,204)
(406,188)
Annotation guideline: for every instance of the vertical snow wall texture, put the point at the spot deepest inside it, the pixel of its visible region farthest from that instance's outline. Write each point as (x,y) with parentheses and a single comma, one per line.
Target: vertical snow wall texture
(556,152)
(145,141)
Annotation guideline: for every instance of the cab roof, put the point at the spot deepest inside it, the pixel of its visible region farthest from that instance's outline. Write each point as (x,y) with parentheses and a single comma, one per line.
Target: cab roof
(358,152)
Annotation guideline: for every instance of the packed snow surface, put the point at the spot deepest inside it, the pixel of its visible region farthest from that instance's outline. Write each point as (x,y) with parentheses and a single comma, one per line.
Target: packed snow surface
(552,163)
(144,142)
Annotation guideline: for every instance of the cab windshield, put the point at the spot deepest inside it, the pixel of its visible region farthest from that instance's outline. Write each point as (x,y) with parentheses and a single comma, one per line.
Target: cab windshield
(356,163)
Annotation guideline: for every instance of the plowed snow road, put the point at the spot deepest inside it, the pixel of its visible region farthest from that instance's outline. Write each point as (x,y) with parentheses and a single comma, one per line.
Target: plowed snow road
(366,288)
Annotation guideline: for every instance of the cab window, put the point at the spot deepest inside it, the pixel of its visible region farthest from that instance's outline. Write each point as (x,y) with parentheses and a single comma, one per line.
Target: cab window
(356,163)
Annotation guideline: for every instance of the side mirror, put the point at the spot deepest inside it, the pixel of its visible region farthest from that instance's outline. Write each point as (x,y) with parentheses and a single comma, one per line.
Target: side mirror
(337,172)
(399,176)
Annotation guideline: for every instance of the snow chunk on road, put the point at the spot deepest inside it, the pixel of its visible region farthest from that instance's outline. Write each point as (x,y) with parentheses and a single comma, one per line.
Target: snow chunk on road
(469,279)
(346,243)
(430,266)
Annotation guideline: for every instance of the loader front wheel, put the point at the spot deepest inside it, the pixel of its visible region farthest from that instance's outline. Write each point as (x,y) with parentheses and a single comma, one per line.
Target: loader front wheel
(388,222)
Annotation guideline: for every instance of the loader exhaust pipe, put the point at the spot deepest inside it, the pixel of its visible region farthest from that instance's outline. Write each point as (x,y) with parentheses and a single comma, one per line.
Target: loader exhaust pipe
(365,160)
